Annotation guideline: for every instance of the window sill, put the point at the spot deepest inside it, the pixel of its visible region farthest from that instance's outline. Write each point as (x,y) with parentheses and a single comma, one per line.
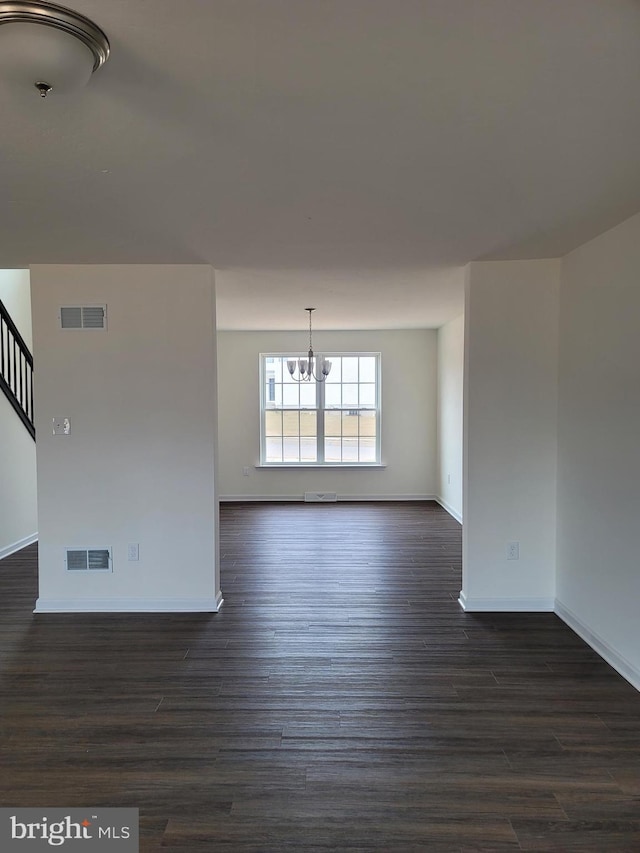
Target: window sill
(297,465)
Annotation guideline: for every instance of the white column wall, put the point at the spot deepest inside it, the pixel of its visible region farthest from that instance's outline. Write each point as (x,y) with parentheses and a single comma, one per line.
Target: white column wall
(138,466)
(510,414)
(450,398)
(598,584)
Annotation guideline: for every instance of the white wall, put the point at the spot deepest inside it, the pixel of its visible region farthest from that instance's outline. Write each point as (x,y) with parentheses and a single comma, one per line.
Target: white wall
(510,412)
(450,397)
(138,466)
(18,504)
(15,292)
(598,583)
(409,361)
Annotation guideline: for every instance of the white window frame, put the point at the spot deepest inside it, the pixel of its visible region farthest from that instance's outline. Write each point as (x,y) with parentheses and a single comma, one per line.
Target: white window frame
(320,463)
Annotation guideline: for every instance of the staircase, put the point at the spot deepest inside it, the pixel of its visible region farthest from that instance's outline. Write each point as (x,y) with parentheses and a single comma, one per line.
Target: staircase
(16,370)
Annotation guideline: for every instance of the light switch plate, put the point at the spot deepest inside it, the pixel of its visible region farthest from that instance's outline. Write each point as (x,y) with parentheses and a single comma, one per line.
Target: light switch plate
(61,426)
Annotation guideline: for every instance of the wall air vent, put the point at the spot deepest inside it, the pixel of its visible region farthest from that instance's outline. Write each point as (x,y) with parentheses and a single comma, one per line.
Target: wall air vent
(83,317)
(320,497)
(88,559)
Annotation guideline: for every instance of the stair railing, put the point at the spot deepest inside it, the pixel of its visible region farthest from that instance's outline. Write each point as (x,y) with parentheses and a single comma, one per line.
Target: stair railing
(16,370)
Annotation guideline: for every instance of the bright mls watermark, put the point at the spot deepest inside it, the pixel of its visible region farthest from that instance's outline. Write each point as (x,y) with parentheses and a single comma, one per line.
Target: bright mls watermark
(79,830)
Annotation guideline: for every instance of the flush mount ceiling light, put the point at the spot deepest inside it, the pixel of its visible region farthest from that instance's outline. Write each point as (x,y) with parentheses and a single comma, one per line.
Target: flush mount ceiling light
(49,47)
(313,367)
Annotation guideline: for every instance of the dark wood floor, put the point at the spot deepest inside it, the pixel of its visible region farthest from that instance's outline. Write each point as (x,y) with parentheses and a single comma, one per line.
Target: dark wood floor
(339,701)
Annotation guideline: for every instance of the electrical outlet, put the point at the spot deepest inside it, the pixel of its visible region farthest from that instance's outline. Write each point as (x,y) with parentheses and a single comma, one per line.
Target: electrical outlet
(513,550)
(133,552)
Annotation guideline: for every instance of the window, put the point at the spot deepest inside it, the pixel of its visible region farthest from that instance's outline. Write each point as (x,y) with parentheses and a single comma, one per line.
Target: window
(336,422)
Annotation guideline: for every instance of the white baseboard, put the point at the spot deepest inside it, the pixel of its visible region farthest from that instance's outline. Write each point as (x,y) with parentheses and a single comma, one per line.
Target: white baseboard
(505,605)
(453,512)
(259,498)
(300,497)
(387,497)
(621,665)
(129,605)
(18,546)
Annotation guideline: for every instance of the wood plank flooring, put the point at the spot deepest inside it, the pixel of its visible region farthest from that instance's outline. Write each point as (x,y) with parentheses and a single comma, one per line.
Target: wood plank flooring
(340,701)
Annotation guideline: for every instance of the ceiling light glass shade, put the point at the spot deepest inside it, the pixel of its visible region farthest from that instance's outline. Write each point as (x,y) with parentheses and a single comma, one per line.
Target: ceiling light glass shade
(42,44)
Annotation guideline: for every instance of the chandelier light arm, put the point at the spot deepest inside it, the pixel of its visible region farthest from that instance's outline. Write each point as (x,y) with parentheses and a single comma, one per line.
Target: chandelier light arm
(300,366)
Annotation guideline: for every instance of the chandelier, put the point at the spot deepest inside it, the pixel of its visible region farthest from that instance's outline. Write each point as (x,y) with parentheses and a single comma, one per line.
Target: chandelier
(311,367)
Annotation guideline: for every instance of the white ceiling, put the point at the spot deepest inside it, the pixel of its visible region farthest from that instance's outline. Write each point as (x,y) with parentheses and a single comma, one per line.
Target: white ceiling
(352,155)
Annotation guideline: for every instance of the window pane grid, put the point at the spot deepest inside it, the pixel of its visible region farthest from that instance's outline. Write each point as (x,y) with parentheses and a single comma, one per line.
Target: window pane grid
(350,435)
